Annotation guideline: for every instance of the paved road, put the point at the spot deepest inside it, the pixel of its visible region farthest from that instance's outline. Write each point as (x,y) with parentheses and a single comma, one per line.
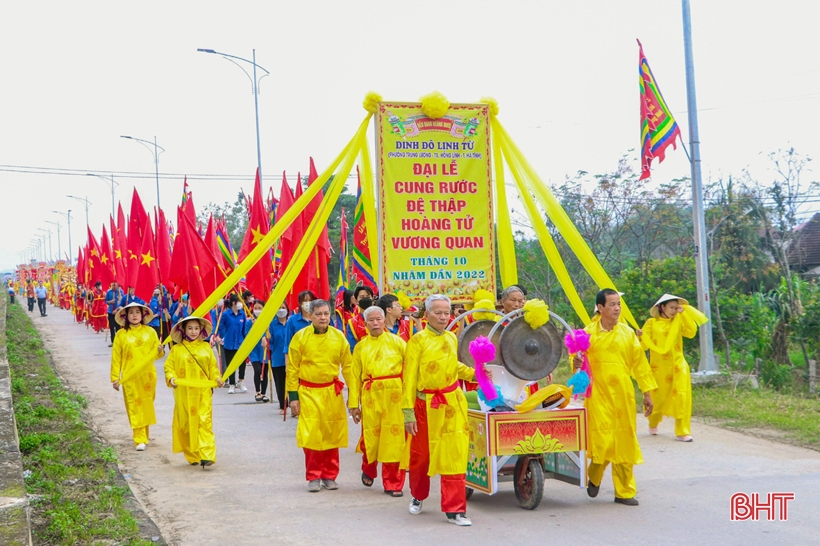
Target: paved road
(256,492)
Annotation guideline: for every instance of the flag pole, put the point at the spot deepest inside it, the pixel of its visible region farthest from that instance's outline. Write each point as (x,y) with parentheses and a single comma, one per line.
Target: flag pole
(707,359)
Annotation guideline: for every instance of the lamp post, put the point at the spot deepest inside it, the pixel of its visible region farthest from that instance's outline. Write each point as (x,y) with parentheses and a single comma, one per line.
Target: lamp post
(148,144)
(68,219)
(50,253)
(59,249)
(86,202)
(113,185)
(254,87)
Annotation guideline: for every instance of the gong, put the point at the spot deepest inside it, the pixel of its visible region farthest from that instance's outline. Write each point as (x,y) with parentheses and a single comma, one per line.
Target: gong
(530,354)
(468,334)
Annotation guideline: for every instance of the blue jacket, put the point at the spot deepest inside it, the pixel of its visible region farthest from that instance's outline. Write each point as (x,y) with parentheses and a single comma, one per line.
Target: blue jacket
(295,323)
(277,343)
(259,353)
(126,299)
(232,329)
(116,297)
(154,306)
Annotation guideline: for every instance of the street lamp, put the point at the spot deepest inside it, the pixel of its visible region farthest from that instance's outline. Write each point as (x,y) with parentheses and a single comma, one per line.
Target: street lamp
(82,200)
(59,249)
(254,88)
(50,253)
(113,185)
(147,144)
(68,219)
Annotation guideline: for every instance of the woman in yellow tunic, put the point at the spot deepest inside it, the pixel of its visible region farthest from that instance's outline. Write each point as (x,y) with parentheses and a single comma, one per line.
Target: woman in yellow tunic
(132,367)
(615,354)
(316,355)
(192,372)
(662,335)
(435,413)
(376,383)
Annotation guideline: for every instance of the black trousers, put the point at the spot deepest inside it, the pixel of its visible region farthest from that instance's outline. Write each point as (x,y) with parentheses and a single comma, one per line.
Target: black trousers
(112,326)
(11,298)
(41,303)
(278,374)
(229,354)
(31,305)
(260,376)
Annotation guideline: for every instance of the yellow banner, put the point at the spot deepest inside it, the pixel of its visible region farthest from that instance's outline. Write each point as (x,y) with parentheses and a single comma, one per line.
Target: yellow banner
(435,201)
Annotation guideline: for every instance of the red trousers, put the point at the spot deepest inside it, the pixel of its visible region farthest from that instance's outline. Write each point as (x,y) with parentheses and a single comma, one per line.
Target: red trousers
(453,486)
(321,465)
(392,475)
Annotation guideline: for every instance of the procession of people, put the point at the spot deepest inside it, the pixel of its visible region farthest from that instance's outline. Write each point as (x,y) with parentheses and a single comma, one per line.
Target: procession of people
(405,384)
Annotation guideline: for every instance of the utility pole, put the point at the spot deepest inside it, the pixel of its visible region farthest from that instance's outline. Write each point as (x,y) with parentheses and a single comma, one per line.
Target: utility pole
(707,355)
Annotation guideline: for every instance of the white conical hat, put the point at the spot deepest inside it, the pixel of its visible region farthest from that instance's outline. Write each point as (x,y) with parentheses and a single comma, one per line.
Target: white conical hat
(663,299)
(147,314)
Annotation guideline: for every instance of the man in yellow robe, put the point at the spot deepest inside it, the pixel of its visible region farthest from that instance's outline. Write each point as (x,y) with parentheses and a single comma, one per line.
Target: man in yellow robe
(615,354)
(378,361)
(192,372)
(316,355)
(132,367)
(435,413)
(672,319)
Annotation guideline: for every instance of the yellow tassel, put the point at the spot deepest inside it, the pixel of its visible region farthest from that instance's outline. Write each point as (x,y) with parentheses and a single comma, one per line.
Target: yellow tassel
(371,102)
(482,294)
(404,301)
(485,304)
(536,313)
(434,105)
(492,103)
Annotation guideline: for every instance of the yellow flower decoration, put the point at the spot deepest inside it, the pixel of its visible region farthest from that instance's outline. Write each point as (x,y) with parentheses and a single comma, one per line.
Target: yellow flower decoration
(434,105)
(492,103)
(536,313)
(485,304)
(404,300)
(371,102)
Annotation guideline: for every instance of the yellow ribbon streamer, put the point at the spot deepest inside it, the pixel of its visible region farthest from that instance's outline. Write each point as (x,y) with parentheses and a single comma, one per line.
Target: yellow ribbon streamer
(507,264)
(276,231)
(303,251)
(558,216)
(139,369)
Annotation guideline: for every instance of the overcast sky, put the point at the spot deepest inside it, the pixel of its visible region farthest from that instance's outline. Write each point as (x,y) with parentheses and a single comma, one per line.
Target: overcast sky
(77,75)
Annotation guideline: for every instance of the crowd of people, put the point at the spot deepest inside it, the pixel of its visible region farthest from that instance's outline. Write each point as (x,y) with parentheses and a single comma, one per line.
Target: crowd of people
(404,381)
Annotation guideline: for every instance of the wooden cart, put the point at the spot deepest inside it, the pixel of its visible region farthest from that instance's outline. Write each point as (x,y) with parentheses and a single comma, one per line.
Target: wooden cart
(526,448)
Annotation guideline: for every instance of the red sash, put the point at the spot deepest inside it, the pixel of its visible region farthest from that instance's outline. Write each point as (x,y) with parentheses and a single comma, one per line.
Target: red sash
(438,395)
(369,381)
(337,383)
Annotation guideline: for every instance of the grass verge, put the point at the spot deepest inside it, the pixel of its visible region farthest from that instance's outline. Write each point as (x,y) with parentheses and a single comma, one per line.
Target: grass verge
(785,417)
(72,477)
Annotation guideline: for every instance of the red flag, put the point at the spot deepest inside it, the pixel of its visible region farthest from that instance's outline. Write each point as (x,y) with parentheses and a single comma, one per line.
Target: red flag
(148,270)
(116,253)
(163,246)
(94,263)
(317,276)
(258,279)
(135,237)
(80,267)
(212,243)
(108,273)
(187,205)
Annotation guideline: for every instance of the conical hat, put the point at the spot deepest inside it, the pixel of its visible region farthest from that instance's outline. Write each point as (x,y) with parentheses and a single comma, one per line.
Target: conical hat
(177,331)
(147,314)
(654,312)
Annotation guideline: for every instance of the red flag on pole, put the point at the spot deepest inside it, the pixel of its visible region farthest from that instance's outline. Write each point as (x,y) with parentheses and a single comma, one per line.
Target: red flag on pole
(163,246)
(258,279)
(136,225)
(148,270)
(108,273)
(94,263)
(317,276)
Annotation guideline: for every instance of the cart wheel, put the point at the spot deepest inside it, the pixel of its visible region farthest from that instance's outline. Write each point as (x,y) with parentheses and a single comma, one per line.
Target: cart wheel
(469,492)
(529,482)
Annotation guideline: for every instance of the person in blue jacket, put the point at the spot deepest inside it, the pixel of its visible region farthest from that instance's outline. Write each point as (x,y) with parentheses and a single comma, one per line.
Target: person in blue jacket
(130,297)
(277,354)
(259,355)
(155,307)
(231,335)
(298,320)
